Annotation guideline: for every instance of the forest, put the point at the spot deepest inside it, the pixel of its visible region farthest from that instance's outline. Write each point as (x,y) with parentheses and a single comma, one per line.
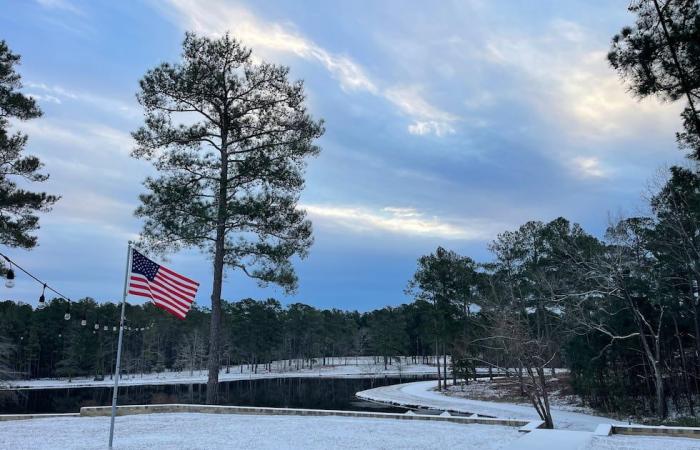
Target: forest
(619,310)
(621,313)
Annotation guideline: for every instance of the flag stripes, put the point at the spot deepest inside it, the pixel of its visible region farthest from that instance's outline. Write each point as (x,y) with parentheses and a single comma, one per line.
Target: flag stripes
(168,290)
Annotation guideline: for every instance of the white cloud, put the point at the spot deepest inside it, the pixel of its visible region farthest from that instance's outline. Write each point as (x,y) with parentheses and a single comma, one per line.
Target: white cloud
(220,16)
(63,5)
(570,82)
(427,118)
(270,37)
(58,93)
(588,167)
(407,221)
(86,136)
(45,98)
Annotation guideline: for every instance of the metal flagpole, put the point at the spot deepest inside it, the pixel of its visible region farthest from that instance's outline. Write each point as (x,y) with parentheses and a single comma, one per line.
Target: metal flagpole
(119,346)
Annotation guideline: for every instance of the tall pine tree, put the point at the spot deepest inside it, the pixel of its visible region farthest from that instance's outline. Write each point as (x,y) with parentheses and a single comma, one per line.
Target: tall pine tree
(18,206)
(230,138)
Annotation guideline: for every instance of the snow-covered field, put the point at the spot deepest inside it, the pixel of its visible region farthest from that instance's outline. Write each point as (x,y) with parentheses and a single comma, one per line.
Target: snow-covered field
(422,394)
(349,367)
(207,431)
(641,443)
(212,431)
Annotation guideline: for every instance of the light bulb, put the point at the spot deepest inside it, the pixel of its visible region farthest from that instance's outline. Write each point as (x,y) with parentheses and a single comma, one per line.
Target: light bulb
(66,316)
(97,326)
(10,282)
(106,328)
(114,328)
(83,322)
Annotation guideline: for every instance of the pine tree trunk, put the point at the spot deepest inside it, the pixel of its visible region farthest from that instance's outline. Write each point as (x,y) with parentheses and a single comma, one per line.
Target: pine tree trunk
(215,334)
(437,358)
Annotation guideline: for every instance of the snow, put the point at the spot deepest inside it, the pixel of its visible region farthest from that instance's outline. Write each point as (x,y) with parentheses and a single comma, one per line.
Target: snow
(193,430)
(422,394)
(341,367)
(553,439)
(189,430)
(641,443)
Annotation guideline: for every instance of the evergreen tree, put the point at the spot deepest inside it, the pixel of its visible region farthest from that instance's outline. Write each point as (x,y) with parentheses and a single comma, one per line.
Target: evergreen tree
(18,207)
(660,55)
(230,138)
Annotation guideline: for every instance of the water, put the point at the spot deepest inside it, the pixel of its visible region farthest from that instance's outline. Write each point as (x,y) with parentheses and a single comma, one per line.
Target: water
(313,393)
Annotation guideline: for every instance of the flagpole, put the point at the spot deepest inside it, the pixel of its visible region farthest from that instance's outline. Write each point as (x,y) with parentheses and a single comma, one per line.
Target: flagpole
(119,347)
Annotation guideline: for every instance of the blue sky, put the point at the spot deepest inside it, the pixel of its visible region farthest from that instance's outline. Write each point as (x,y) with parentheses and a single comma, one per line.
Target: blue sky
(447,123)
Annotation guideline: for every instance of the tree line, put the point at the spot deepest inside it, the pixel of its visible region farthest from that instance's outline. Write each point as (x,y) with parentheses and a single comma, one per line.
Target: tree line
(230,138)
(43,343)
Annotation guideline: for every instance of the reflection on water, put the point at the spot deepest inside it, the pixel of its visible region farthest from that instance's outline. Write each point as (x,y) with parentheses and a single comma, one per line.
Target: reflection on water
(315,393)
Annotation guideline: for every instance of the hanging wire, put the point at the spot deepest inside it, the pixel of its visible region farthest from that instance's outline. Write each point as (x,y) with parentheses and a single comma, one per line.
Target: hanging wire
(46,286)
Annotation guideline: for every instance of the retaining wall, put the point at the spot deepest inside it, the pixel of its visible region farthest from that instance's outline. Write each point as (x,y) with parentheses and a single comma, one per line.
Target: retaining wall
(216,409)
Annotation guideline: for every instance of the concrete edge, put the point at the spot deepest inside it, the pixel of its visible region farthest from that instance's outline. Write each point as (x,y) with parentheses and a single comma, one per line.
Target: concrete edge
(417,406)
(604,429)
(640,430)
(531,426)
(93,411)
(7,417)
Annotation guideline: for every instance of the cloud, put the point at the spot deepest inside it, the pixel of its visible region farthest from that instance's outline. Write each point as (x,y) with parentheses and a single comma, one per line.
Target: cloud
(220,16)
(270,37)
(63,5)
(407,221)
(570,82)
(83,135)
(427,118)
(58,93)
(45,98)
(588,167)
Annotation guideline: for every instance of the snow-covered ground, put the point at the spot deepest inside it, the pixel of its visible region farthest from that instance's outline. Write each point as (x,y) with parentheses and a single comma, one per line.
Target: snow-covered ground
(208,431)
(349,367)
(212,431)
(422,394)
(641,443)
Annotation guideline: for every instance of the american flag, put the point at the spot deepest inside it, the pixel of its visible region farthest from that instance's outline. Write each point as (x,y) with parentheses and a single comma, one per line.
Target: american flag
(168,290)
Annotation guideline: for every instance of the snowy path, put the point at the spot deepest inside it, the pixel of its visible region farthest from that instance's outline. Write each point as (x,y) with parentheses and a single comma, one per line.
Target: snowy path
(363,367)
(207,431)
(421,394)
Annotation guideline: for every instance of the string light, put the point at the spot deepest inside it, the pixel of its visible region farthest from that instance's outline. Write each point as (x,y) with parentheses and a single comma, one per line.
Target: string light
(10,283)
(42,298)
(10,277)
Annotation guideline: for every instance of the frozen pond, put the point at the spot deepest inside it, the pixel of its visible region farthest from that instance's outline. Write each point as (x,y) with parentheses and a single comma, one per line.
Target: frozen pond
(306,392)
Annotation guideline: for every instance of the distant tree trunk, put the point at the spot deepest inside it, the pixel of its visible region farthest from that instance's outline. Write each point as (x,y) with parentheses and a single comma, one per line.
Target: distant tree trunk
(437,360)
(684,365)
(444,367)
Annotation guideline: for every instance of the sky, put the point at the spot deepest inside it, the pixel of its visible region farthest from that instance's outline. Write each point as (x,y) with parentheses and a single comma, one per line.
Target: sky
(446,123)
